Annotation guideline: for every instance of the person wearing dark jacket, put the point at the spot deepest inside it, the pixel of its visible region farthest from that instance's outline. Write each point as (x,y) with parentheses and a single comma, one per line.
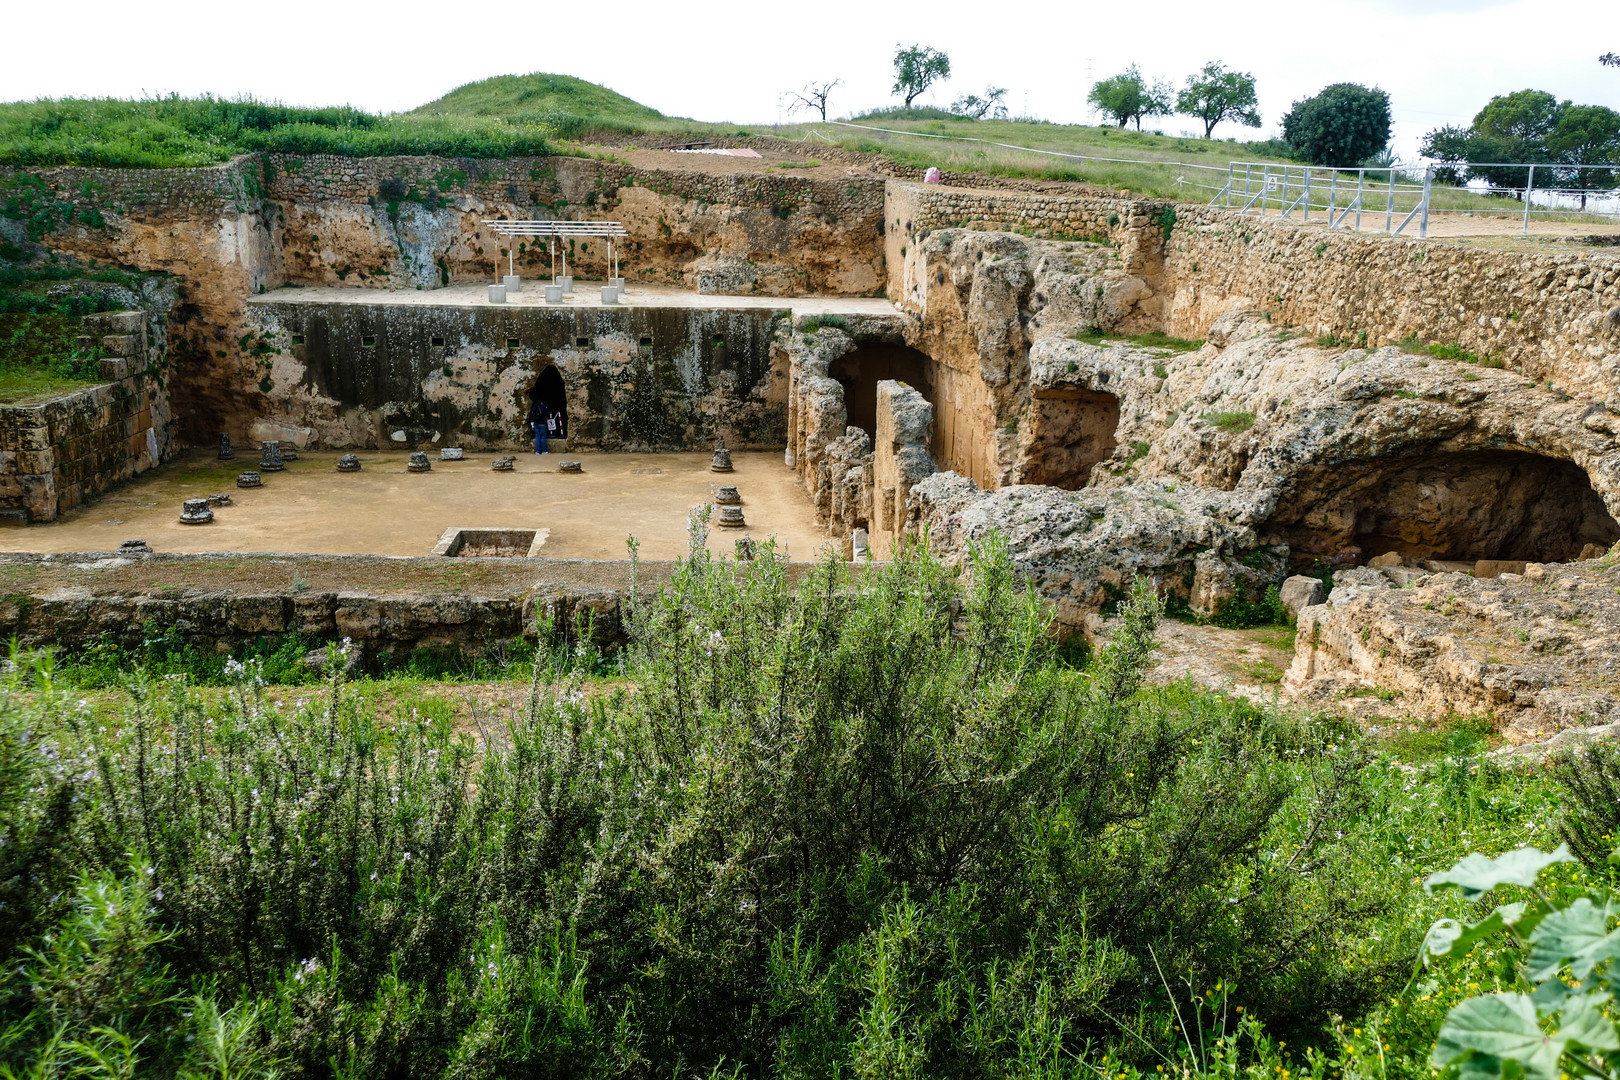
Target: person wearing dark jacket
(539,419)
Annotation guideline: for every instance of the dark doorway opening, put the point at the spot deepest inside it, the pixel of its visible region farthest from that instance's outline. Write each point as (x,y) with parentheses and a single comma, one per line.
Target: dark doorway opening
(1072,430)
(1480,504)
(860,370)
(548,387)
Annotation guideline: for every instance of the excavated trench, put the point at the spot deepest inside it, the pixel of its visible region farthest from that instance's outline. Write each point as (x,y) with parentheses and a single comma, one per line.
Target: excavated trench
(1489,504)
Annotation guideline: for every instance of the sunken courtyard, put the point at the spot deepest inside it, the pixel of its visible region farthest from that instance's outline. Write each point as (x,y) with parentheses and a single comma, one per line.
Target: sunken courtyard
(317,415)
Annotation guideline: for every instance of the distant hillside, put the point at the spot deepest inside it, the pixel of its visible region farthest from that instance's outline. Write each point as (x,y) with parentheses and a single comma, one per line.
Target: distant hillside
(568,106)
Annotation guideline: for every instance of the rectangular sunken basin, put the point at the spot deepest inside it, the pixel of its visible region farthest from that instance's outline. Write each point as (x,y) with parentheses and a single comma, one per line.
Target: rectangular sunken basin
(461,543)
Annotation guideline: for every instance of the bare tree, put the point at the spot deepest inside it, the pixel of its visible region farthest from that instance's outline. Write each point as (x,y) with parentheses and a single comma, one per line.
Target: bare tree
(814,97)
(992,104)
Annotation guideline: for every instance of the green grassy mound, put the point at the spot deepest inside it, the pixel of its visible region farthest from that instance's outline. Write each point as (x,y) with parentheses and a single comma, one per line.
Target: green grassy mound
(566,105)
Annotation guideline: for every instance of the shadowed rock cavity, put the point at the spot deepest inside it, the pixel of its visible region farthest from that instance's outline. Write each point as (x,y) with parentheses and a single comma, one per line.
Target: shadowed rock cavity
(1494,504)
(863,367)
(1072,430)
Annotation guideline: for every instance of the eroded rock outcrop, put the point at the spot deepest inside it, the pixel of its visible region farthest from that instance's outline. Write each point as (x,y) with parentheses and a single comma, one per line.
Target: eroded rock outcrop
(1539,652)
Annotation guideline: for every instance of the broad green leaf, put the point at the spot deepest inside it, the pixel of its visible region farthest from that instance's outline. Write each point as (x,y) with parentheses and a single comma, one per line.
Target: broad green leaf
(1476,874)
(1525,917)
(1550,995)
(1478,1066)
(1575,935)
(1448,937)
(1441,937)
(1583,1022)
(1503,1026)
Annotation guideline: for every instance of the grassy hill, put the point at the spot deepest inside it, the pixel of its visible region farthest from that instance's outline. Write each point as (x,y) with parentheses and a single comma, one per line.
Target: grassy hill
(568,106)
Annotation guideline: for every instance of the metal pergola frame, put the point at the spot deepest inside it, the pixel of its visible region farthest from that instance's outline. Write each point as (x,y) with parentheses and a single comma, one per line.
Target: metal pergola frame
(610,230)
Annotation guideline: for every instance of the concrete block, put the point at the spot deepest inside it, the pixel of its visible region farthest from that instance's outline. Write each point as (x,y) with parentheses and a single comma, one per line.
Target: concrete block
(1489,568)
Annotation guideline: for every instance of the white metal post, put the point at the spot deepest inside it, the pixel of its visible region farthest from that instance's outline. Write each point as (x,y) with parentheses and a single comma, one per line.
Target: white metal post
(1428,184)
(1389,205)
(1333,196)
(1361,189)
(1529,186)
(1265,188)
(1231,176)
(1307,214)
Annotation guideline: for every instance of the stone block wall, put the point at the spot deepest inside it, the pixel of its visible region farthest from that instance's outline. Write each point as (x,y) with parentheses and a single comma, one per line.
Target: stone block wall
(55,455)
(388,627)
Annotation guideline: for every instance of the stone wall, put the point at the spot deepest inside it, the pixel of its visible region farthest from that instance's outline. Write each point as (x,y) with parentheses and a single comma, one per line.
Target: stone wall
(55,455)
(388,624)
(373,375)
(1552,316)
(416,222)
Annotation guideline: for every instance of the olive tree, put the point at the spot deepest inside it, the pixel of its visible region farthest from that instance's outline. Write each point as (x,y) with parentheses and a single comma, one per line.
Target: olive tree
(1215,94)
(918,68)
(1127,96)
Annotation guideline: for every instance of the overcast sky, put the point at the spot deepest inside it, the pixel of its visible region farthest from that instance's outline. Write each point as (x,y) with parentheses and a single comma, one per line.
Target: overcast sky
(1440,60)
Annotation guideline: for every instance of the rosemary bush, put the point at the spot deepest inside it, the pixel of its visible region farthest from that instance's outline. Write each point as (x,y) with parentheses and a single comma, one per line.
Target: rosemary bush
(866,825)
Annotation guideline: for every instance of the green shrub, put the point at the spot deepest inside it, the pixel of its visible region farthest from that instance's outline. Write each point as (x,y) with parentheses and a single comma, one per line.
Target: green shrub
(866,824)
(1590,779)
(1233,422)
(171,132)
(1238,613)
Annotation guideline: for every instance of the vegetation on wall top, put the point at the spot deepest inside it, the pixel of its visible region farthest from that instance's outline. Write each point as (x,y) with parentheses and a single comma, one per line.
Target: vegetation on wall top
(176,132)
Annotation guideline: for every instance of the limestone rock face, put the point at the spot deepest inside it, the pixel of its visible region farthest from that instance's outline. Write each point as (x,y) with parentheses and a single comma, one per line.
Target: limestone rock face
(1081,549)
(1300,592)
(1539,651)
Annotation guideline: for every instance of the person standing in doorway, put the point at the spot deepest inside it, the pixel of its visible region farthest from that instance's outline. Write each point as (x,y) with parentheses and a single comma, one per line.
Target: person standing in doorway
(539,419)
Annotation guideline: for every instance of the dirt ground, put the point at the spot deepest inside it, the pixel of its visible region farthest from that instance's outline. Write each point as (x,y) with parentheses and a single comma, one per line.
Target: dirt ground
(1246,663)
(769,162)
(386,510)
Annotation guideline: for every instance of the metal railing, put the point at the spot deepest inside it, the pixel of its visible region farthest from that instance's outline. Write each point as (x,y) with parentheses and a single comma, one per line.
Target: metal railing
(1404,193)
(1395,189)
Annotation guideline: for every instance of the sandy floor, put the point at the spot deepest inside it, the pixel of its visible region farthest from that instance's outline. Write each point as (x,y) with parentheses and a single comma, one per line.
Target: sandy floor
(385,510)
(586,295)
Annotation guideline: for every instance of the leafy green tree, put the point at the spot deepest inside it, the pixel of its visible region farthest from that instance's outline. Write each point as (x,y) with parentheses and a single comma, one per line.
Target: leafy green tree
(1526,116)
(1215,94)
(1344,124)
(1586,136)
(916,69)
(1507,134)
(1127,96)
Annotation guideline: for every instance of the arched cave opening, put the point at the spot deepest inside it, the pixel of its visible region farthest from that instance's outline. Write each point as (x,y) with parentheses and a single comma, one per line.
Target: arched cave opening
(1071,431)
(860,370)
(1470,505)
(548,387)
